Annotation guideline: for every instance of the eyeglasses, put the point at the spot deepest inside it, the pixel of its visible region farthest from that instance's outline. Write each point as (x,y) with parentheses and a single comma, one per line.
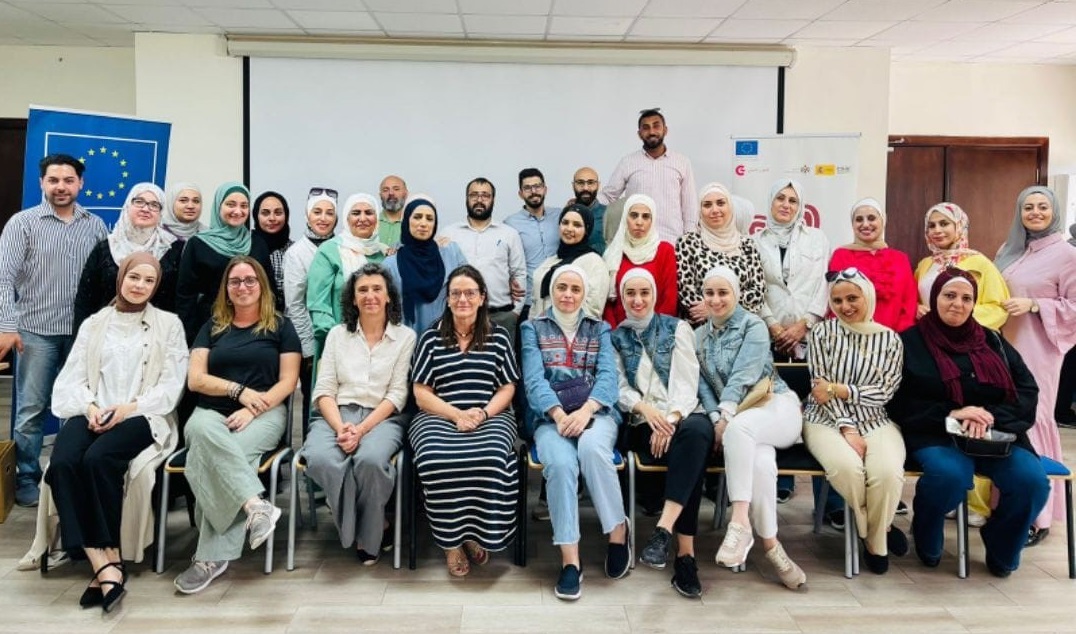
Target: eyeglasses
(590,182)
(479,196)
(236,282)
(533,188)
(319,191)
(139,203)
(845,274)
(471,294)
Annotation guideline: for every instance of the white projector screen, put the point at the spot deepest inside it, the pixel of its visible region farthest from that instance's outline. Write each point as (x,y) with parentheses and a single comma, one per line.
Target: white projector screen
(346,124)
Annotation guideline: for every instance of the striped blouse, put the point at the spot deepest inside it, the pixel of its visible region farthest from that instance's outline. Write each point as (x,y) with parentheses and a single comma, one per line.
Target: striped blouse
(870,365)
(464,379)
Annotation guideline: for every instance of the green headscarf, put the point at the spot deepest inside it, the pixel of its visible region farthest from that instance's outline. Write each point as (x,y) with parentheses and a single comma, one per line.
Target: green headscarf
(224,239)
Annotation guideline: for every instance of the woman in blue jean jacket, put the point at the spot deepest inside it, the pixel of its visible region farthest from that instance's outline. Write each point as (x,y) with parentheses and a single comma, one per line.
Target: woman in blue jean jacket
(560,344)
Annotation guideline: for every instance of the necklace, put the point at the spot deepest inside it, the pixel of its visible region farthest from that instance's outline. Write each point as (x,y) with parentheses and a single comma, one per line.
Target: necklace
(464,335)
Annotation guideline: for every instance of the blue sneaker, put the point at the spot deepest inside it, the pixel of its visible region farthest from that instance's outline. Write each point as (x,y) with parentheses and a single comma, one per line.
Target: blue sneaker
(27,494)
(570,583)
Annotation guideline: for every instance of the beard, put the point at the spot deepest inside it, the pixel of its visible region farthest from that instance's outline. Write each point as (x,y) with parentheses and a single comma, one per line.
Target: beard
(535,201)
(392,204)
(651,143)
(585,197)
(478,211)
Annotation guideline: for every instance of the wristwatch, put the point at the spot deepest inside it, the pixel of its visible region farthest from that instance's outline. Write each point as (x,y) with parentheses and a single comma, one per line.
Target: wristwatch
(831,391)
(1034,306)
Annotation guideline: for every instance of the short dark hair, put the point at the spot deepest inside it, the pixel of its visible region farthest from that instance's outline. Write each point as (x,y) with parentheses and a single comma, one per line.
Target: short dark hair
(61,159)
(481,180)
(530,172)
(350,312)
(651,112)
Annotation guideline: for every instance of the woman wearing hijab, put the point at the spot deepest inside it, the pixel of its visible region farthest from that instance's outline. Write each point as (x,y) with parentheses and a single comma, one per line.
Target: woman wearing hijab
(320,224)
(207,254)
(270,225)
(181,213)
(946,230)
(734,357)
(118,390)
(569,371)
(888,269)
(717,240)
(638,244)
(659,387)
(1040,270)
(954,368)
(138,229)
(794,258)
(576,227)
(420,267)
(855,365)
(337,259)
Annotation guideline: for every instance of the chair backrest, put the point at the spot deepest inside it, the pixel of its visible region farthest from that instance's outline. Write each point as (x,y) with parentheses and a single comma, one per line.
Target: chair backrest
(797,376)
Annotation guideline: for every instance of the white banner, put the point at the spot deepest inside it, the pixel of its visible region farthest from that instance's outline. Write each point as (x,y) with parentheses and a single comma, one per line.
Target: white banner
(826,166)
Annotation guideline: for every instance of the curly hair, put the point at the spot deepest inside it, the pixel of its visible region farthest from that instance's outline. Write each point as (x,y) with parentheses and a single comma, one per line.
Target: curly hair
(483,329)
(224,312)
(350,311)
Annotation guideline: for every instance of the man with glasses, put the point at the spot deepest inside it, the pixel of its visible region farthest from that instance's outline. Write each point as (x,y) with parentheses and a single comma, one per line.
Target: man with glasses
(660,173)
(393,193)
(42,252)
(585,185)
(496,251)
(537,225)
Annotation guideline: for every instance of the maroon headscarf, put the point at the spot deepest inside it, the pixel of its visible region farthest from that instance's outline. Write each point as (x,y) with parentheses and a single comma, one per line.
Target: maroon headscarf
(135,259)
(943,341)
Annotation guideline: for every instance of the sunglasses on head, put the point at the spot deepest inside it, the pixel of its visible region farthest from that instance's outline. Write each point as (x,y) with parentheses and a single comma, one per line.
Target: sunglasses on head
(319,191)
(844,274)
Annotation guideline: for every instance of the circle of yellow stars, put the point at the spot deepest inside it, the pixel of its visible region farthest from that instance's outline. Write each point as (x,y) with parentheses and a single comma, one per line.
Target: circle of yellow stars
(121,185)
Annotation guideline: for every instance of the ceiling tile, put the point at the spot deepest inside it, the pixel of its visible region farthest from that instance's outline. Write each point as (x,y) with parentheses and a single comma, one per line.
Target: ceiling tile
(411,6)
(584,38)
(505,24)
(1065,36)
(320,5)
(895,48)
(657,39)
(178,16)
(975,10)
(927,31)
(598,8)
(964,49)
(1050,13)
(877,10)
(793,41)
(1002,32)
(339,20)
(679,28)
(65,13)
(247,19)
(692,8)
(1036,50)
(175,28)
(514,37)
(785,9)
(834,29)
(59,36)
(758,29)
(562,25)
(506,7)
(228,4)
(420,23)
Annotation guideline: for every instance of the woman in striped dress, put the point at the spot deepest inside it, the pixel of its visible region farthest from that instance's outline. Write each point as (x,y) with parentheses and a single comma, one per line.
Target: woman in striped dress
(855,367)
(464,375)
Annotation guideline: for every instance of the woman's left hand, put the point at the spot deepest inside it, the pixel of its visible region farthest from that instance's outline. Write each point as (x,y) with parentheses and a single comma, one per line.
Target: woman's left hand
(698,312)
(974,428)
(119,414)
(659,444)
(820,391)
(792,335)
(1017,306)
(239,420)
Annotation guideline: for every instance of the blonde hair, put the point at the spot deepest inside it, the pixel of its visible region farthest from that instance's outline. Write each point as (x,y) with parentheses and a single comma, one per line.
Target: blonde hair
(224,312)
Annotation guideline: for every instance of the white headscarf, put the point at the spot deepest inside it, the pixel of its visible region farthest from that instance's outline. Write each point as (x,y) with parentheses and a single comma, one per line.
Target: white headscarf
(169,221)
(727,238)
(623,245)
(727,274)
(568,322)
(854,276)
(126,239)
(641,324)
(785,234)
(858,244)
(353,249)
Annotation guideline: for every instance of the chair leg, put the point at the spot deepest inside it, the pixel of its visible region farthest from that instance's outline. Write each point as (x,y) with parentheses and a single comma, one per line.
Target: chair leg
(631,504)
(962,539)
(722,502)
(274,479)
(1071,539)
(521,509)
(412,512)
(820,507)
(397,530)
(311,500)
(162,519)
(293,508)
(851,549)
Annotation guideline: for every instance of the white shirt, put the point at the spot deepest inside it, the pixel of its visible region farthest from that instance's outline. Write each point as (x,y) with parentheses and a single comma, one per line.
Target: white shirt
(497,252)
(682,394)
(597,285)
(668,179)
(297,260)
(355,374)
(803,295)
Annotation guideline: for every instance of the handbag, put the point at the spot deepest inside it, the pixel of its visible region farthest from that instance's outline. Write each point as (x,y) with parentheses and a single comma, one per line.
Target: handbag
(574,392)
(996,444)
(757,396)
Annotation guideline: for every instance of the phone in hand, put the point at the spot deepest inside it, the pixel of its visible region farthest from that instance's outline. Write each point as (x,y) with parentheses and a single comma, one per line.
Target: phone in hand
(107,416)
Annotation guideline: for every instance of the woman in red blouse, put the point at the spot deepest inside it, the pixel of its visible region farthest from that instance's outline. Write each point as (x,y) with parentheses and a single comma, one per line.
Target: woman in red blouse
(637,244)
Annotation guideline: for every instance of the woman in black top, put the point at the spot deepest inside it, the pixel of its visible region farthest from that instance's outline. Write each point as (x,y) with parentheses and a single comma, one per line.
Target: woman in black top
(269,223)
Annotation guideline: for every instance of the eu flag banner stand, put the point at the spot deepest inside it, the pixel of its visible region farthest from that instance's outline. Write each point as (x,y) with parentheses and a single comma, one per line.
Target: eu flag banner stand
(117,151)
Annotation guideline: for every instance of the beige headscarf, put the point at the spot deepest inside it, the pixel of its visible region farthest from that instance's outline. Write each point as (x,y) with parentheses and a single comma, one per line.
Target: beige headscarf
(723,239)
(859,245)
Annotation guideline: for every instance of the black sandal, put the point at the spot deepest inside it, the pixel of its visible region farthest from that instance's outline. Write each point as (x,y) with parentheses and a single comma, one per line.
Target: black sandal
(116,590)
(92,595)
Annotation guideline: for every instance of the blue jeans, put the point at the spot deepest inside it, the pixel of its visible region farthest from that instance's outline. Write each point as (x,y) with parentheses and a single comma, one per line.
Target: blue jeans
(35,372)
(563,459)
(946,480)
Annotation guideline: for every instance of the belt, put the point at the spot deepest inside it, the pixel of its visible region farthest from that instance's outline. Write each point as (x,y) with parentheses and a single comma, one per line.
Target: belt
(501,309)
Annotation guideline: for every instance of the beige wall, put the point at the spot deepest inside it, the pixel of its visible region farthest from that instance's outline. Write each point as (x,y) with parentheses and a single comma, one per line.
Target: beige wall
(98,79)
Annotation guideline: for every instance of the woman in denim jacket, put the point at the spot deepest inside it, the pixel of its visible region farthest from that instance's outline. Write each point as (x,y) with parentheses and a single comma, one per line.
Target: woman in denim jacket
(561,344)
(734,354)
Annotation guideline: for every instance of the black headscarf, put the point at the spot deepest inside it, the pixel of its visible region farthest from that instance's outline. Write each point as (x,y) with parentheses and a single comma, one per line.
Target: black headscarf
(277,240)
(568,253)
(422,271)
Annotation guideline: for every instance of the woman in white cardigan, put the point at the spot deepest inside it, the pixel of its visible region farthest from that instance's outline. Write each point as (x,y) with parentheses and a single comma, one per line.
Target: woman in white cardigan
(117,390)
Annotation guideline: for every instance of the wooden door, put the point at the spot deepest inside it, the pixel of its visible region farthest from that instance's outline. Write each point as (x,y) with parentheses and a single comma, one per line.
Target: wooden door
(985,182)
(916,181)
(12,155)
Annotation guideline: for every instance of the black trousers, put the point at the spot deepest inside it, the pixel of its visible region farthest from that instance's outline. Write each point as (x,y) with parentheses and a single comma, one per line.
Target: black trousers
(1065,388)
(86,475)
(686,458)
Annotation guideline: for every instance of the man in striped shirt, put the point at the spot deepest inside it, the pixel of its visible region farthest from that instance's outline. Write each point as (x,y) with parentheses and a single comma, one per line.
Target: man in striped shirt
(660,173)
(42,251)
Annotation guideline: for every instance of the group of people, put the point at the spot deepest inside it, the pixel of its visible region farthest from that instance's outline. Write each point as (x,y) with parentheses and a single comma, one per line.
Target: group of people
(660,336)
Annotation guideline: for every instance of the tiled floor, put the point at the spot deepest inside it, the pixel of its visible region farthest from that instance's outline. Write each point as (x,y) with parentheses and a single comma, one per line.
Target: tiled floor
(328,591)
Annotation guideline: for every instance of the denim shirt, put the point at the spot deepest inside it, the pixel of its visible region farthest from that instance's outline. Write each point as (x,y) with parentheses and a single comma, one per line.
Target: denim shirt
(546,360)
(659,339)
(733,357)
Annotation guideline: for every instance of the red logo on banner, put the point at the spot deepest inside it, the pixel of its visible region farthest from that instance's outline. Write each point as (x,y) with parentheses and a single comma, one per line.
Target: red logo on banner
(812,217)
(758,223)
(740,170)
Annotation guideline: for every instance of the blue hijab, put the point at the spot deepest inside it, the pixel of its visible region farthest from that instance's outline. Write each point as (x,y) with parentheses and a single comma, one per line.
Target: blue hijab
(422,270)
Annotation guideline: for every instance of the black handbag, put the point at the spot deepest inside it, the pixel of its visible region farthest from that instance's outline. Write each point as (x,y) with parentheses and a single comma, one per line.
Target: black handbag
(574,392)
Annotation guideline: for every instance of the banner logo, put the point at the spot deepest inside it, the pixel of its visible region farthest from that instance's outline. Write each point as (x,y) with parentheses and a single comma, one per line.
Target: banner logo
(747,148)
(825,169)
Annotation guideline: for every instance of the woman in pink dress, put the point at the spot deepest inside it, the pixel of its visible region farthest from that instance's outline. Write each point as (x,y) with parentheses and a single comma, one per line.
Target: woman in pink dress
(1040,269)
(888,269)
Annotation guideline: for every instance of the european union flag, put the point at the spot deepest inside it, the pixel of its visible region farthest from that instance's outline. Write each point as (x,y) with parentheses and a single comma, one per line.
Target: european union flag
(747,148)
(117,152)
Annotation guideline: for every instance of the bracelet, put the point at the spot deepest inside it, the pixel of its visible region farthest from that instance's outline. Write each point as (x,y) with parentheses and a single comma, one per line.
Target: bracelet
(235,390)
(485,414)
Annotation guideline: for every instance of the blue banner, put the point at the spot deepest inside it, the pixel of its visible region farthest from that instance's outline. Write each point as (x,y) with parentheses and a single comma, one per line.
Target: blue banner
(117,152)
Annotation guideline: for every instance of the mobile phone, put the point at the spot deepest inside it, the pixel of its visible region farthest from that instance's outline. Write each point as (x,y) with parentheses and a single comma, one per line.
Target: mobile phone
(106,417)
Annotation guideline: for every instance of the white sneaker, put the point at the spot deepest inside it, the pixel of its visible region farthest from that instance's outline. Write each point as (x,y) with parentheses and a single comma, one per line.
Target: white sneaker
(790,574)
(734,548)
(261,522)
(199,576)
(976,520)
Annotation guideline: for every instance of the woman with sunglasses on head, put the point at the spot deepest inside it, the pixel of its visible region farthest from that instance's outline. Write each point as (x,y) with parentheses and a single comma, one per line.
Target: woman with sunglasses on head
(736,364)
(959,374)
(463,436)
(576,247)
(637,243)
(206,255)
(659,388)
(269,223)
(243,368)
(855,365)
(420,267)
(717,240)
(138,229)
(1040,270)
(118,391)
(182,211)
(888,269)
(337,259)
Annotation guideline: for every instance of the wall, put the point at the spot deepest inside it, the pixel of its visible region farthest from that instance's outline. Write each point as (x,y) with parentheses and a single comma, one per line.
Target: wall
(99,79)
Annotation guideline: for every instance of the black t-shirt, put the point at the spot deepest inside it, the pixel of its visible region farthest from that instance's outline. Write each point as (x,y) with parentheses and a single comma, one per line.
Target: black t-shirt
(239,355)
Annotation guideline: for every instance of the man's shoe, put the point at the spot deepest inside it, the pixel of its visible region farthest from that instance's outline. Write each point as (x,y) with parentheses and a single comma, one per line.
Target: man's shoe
(199,575)
(686,577)
(570,583)
(656,552)
(27,494)
(261,522)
